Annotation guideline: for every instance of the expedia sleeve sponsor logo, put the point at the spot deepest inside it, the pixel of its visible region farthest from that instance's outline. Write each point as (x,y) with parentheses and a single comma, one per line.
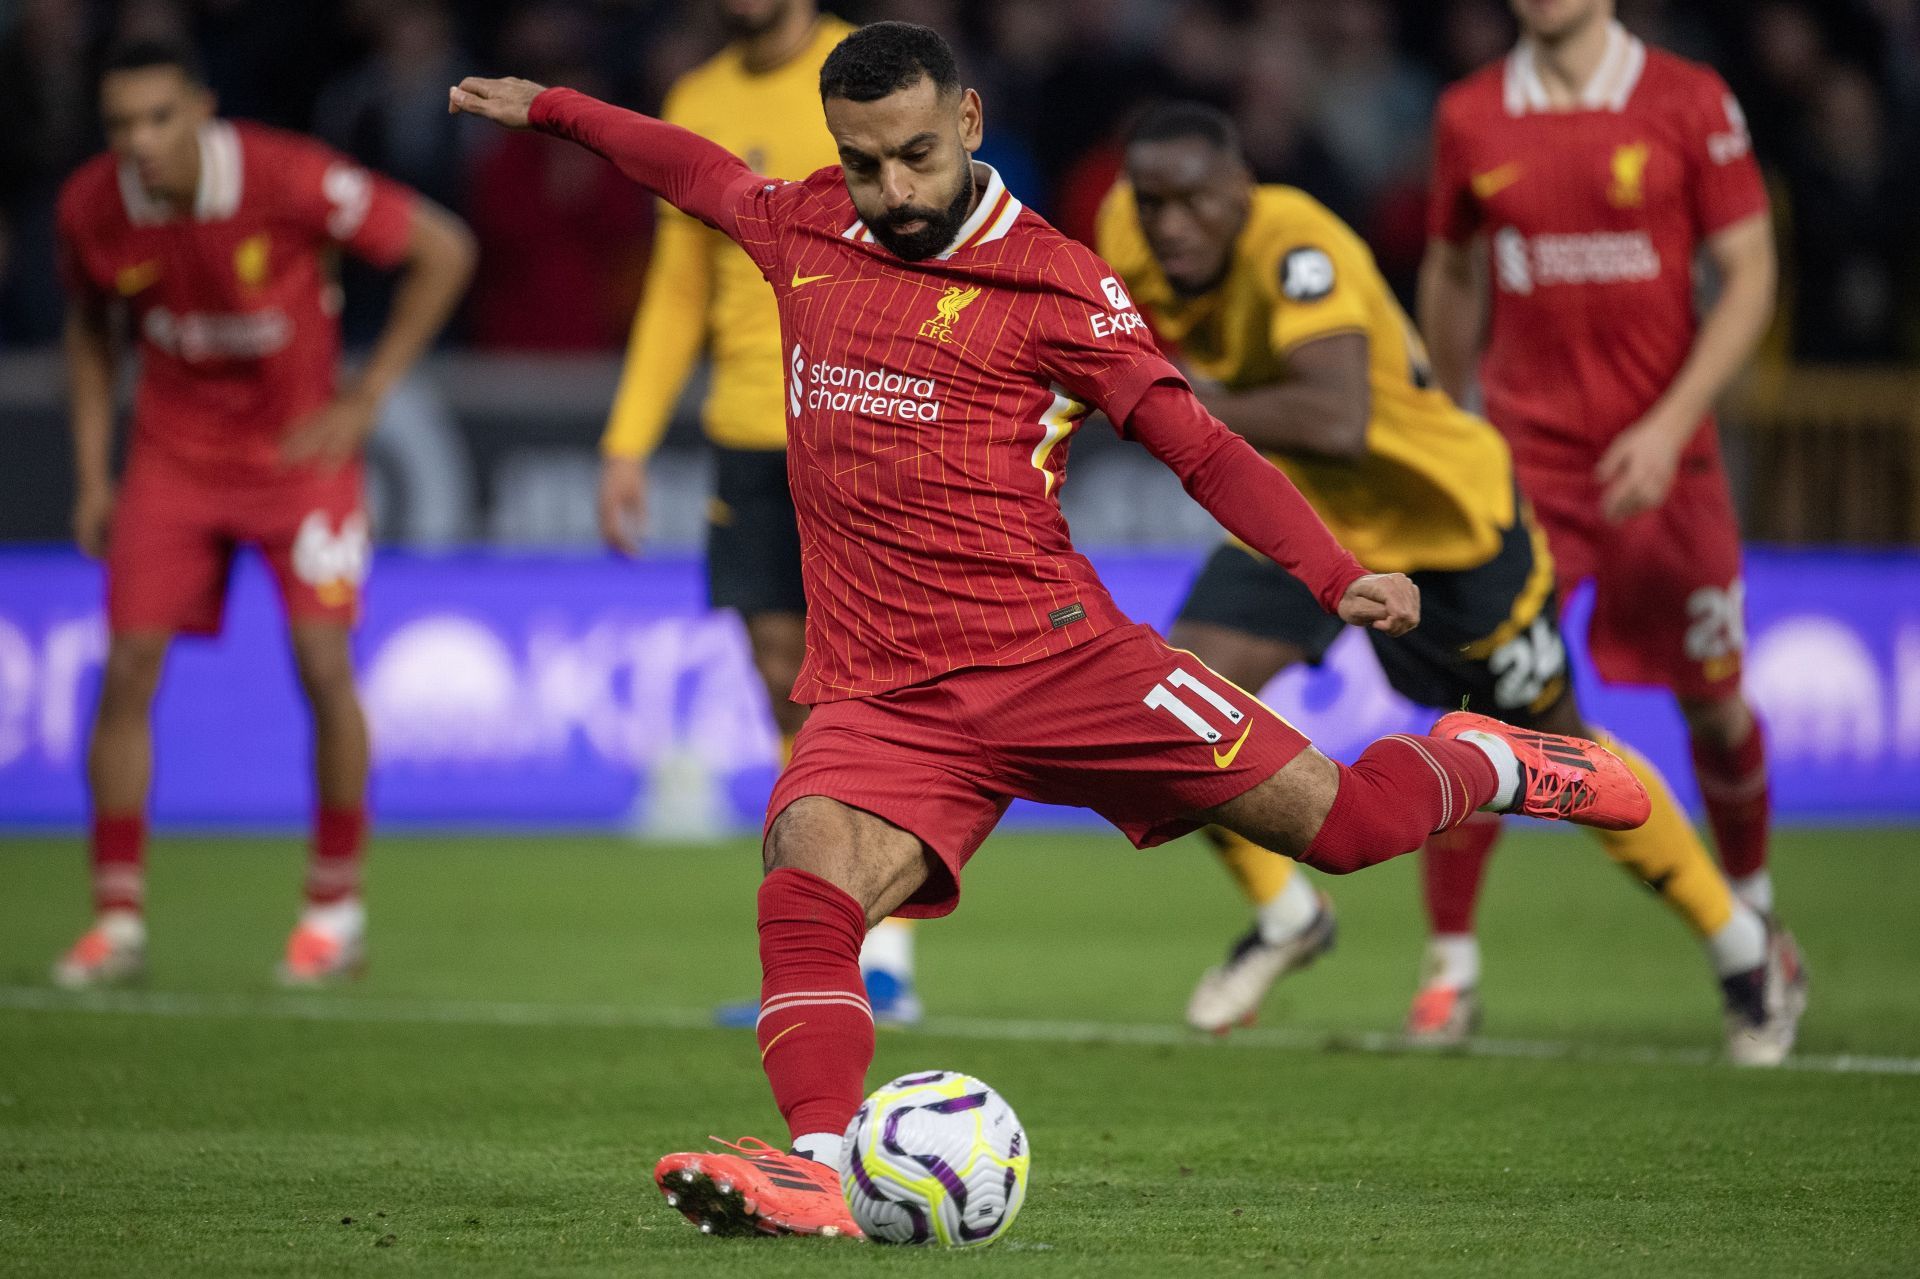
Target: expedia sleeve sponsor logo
(845,388)
(1603,257)
(197,336)
(1124,319)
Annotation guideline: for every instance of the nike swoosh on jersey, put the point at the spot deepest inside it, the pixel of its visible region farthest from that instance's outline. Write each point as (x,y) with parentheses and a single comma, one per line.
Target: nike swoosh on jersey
(1222,761)
(1493,181)
(133,279)
(799,279)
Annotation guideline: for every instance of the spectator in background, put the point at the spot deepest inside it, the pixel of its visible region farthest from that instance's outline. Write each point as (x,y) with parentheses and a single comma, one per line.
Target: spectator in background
(1373,104)
(1274,112)
(1789,56)
(47,102)
(1850,227)
(1473,33)
(389,111)
(563,236)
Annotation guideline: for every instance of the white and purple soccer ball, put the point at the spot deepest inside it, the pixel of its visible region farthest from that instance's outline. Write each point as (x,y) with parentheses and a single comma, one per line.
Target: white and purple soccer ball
(935,1158)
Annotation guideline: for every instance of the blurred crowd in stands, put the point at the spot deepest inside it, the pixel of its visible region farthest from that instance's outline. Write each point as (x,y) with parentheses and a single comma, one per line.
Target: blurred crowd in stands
(1332,95)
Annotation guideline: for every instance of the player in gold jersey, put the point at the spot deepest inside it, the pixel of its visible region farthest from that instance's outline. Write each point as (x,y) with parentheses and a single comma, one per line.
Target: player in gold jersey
(1294,340)
(760,99)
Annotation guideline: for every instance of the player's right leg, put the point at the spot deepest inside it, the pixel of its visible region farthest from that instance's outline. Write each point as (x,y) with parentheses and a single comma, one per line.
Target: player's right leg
(880,809)
(832,871)
(753,568)
(119,774)
(1248,620)
(166,563)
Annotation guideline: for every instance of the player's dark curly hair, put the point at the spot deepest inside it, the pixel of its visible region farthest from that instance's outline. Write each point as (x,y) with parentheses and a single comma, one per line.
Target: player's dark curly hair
(140,54)
(1176,121)
(882,58)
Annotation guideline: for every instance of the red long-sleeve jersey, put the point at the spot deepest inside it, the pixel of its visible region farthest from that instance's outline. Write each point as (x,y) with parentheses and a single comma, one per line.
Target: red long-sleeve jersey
(929,409)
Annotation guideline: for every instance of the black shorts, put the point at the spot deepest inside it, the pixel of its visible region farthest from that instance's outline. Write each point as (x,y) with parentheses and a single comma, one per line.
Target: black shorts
(753,539)
(1488,639)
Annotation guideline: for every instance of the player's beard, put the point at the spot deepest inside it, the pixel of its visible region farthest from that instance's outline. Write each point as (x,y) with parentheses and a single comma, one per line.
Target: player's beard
(941,224)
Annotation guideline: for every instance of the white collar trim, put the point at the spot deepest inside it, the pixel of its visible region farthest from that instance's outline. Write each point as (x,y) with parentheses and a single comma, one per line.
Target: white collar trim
(992,217)
(221,178)
(1608,89)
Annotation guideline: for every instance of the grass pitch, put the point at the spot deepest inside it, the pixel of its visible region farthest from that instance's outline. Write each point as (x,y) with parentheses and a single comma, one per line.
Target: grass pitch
(490,1099)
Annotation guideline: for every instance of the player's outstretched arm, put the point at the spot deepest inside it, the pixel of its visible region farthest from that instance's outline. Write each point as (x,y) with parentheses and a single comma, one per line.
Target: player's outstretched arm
(1258,504)
(681,167)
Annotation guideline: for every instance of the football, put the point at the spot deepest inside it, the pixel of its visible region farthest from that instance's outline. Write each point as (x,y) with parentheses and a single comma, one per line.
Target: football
(935,1158)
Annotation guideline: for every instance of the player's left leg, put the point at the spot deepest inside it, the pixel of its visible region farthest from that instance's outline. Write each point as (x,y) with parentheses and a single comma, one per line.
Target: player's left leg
(329,941)
(1730,766)
(312,531)
(1198,749)
(1669,610)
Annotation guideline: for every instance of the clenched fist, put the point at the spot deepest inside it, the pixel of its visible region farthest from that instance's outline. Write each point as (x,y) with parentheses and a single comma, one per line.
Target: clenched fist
(1387,602)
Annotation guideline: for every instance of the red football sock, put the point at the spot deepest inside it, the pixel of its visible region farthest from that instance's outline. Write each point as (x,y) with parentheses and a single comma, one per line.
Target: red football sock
(333,868)
(1452,867)
(1401,790)
(118,851)
(816,1028)
(1733,783)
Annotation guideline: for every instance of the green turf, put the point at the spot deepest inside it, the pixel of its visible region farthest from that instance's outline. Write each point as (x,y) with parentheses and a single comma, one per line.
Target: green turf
(414,1137)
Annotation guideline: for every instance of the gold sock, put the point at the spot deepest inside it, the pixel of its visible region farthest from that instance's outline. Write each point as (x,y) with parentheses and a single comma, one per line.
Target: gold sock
(1667,853)
(1260,874)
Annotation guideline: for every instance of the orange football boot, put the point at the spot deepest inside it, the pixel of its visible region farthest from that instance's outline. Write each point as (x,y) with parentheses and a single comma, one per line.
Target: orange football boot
(1443,1017)
(316,957)
(755,1191)
(1562,778)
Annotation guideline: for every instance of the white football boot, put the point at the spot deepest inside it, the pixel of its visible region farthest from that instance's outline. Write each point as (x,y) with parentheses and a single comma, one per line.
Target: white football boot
(1230,993)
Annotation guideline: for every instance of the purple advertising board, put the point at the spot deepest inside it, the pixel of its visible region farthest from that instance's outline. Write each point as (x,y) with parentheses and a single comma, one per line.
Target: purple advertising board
(585,692)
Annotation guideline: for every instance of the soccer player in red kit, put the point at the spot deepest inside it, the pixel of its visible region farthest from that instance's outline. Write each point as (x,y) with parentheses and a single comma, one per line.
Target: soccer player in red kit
(212,236)
(942,342)
(1594,168)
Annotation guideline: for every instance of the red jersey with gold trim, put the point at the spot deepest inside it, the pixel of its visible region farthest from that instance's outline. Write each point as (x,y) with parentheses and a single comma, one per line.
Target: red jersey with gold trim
(232,303)
(929,407)
(1592,216)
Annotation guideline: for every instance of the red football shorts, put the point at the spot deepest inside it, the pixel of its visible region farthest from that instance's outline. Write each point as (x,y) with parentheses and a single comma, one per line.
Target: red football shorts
(176,528)
(1669,606)
(1142,733)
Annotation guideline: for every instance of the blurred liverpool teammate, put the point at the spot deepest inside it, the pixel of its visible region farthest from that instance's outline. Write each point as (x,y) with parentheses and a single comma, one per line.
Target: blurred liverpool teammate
(942,342)
(1593,168)
(1301,348)
(759,98)
(212,237)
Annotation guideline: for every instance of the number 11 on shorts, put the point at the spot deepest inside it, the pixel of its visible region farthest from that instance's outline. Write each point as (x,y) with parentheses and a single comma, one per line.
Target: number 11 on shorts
(1162,697)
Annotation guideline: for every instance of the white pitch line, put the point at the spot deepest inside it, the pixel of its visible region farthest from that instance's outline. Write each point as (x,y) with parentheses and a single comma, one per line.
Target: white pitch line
(321,1007)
